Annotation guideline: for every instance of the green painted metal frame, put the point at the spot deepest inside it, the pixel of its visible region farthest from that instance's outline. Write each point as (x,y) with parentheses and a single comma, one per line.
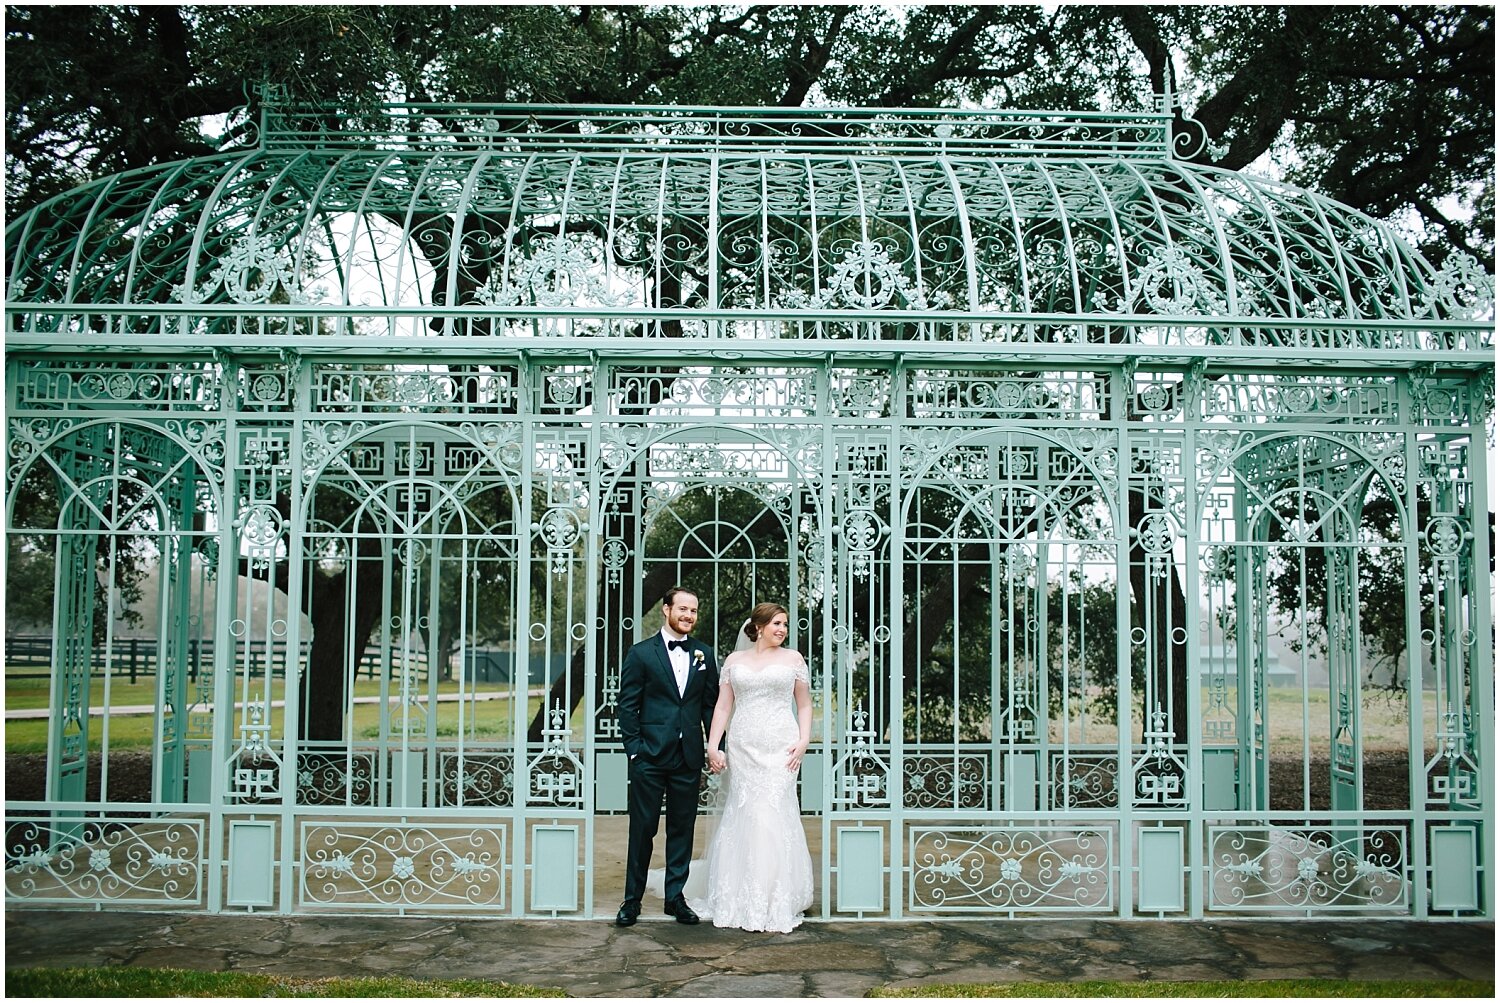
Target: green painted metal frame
(560,351)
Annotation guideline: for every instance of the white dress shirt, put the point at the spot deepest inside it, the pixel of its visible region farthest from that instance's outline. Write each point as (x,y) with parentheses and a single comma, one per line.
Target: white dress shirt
(679,660)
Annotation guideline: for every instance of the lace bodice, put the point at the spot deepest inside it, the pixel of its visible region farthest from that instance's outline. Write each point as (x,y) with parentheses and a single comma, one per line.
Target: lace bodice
(765,692)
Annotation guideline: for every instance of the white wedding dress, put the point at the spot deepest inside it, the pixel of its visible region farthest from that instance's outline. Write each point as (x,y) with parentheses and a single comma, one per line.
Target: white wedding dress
(759,873)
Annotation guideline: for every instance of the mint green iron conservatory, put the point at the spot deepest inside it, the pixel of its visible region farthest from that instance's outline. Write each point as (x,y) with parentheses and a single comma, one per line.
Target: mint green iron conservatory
(1077,463)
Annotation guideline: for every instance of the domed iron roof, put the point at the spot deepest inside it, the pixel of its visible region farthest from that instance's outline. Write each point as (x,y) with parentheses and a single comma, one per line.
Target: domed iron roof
(935,225)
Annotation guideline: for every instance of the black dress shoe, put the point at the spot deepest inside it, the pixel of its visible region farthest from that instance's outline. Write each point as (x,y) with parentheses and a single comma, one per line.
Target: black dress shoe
(680,909)
(629,912)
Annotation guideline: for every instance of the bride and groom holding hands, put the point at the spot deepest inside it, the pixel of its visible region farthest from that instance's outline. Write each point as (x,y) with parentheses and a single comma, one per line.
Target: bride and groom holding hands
(672,692)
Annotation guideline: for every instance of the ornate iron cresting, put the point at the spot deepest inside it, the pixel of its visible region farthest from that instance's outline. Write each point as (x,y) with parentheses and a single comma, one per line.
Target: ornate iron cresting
(1080,466)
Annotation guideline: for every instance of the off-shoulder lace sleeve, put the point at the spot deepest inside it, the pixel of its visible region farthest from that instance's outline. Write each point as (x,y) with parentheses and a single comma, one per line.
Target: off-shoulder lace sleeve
(801,672)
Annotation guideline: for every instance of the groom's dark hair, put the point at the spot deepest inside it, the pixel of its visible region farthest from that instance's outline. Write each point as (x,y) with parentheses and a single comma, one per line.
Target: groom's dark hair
(670,596)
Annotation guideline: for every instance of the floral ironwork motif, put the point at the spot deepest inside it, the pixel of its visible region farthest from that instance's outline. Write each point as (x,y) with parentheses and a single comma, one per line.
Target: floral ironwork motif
(336,779)
(866,278)
(1157,537)
(473,779)
(998,867)
(1463,289)
(1085,780)
(559,529)
(122,859)
(372,864)
(1273,867)
(26,440)
(253,271)
(559,271)
(1173,284)
(862,530)
(933,781)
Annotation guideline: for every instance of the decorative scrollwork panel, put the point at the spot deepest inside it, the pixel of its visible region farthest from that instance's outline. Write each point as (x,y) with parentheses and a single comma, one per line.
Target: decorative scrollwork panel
(155,387)
(475,778)
(936,781)
(1082,780)
(119,859)
(337,778)
(373,865)
(958,869)
(1340,867)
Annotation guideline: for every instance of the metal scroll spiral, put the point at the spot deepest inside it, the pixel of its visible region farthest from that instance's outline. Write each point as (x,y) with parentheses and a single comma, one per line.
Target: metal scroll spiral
(242,124)
(1189,136)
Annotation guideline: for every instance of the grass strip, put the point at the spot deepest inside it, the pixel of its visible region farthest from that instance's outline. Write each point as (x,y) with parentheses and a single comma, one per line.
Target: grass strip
(1228,989)
(121,981)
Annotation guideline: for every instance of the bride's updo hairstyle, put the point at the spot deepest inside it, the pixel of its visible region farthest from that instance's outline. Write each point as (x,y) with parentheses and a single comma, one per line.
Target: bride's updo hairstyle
(762,614)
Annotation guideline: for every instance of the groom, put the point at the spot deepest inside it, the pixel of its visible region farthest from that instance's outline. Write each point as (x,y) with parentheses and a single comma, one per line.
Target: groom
(668,687)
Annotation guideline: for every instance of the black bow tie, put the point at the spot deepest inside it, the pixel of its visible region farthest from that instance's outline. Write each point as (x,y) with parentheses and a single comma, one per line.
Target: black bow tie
(677,644)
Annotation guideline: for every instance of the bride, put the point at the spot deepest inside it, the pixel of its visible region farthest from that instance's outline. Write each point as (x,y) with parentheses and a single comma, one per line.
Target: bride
(759,871)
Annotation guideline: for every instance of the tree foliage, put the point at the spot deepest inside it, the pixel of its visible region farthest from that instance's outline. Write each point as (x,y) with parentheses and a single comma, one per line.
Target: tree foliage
(1389,109)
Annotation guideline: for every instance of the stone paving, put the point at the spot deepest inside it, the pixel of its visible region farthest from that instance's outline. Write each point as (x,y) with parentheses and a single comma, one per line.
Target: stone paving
(658,957)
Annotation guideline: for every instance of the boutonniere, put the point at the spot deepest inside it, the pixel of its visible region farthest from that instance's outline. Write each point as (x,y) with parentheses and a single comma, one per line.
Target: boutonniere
(698,660)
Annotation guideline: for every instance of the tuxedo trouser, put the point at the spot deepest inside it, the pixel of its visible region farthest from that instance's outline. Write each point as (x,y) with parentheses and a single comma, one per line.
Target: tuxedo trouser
(649,784)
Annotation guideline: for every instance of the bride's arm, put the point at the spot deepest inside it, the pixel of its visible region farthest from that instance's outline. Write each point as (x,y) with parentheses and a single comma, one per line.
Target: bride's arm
(802,694)
(723,709)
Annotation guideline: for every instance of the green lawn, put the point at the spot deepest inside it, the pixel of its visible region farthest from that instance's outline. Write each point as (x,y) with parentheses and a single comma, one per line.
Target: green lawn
(30,694)
(1383,720)
(486,719)
(1228,989)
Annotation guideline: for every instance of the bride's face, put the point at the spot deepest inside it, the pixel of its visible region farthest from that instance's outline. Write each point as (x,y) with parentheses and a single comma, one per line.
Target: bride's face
(775,631)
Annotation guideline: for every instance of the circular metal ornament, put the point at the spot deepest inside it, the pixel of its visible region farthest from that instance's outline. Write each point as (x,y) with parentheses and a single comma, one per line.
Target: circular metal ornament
(263,526)
(1445,535)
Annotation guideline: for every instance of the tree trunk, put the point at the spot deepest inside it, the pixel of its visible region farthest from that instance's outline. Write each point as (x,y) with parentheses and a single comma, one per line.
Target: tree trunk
(324,699)
(1170,606)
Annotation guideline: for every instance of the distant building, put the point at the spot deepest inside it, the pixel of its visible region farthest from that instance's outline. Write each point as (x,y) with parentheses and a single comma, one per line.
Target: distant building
(1222,658)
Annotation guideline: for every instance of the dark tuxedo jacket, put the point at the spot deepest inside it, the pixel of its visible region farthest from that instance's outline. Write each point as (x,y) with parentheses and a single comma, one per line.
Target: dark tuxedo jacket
(653,717)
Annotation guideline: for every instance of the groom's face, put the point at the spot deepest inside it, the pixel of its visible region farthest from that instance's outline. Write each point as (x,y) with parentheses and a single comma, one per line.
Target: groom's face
(681,613)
